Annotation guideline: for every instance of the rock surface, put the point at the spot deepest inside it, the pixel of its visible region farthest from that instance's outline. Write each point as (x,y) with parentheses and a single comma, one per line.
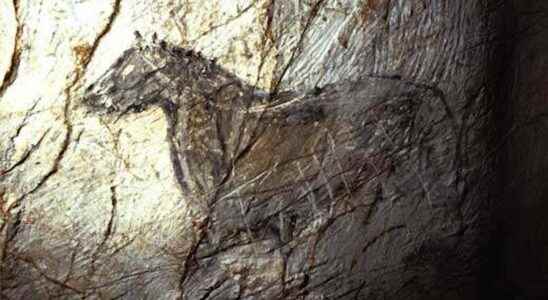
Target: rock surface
(244,149)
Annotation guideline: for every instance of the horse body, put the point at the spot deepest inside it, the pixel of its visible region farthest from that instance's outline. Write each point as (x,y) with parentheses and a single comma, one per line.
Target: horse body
(273,169)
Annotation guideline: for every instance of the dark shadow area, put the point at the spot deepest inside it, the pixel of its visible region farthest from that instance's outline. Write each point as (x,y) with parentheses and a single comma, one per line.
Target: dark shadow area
(514,260)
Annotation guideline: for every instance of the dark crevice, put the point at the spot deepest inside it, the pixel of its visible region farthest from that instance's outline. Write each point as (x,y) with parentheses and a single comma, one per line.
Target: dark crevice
(13,68)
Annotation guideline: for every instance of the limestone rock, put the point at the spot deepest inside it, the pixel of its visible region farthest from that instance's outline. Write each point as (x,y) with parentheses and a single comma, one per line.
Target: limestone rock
(243,149)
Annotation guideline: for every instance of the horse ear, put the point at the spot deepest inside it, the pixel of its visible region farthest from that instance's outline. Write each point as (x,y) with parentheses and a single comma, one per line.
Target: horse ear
(138,39)
(137,35)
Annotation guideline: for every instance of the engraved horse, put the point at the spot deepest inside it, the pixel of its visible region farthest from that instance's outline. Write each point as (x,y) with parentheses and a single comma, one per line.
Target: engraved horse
(266,166)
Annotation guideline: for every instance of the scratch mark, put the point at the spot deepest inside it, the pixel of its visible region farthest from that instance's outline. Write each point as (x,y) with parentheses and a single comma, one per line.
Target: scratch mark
(228,21)
(311,17)
(25,156)
(380,235)
(49,278)
(11,143)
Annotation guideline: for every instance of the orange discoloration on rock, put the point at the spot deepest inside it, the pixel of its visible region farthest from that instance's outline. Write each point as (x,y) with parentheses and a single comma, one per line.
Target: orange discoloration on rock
(372,7)
(82,53)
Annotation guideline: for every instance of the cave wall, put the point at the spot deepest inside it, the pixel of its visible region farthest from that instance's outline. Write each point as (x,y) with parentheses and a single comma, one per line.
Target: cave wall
(92,205)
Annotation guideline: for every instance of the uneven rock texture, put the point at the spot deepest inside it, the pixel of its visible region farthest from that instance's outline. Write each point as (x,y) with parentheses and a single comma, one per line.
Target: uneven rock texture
(245,149)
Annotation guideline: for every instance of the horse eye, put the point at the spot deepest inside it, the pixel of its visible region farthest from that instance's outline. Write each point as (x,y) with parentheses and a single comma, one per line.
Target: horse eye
(90,87)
